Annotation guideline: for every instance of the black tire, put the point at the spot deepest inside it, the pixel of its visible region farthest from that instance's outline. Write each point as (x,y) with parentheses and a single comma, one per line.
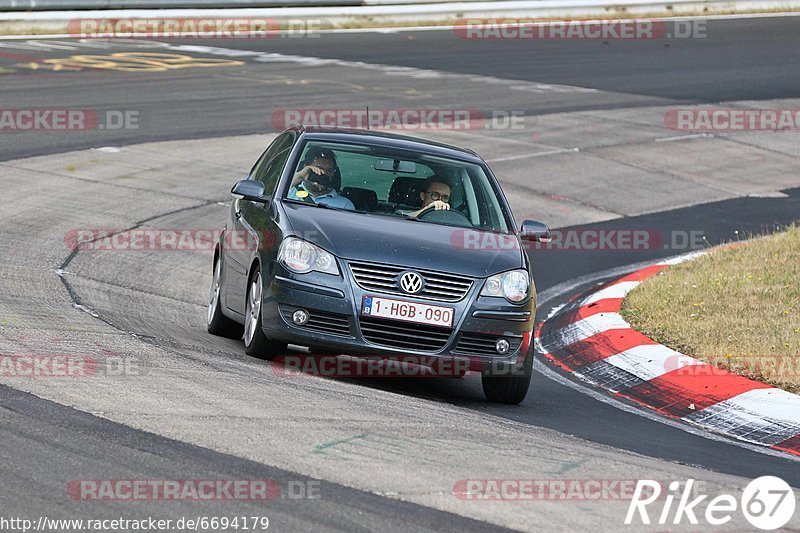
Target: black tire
(509,389)
(216,322)
(257,344)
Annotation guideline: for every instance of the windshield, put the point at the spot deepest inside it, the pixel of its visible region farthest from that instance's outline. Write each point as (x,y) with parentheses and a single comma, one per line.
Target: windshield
(405,184)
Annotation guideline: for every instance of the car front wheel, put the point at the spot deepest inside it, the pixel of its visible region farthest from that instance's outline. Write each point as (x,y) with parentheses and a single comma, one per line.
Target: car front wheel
(256,343)
(510,389)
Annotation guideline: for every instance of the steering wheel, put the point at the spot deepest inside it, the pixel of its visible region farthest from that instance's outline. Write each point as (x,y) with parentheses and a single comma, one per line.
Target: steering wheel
(445,216)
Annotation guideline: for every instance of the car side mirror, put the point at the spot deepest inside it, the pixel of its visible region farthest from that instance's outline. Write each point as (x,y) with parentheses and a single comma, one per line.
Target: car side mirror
(252,190)
(535,231)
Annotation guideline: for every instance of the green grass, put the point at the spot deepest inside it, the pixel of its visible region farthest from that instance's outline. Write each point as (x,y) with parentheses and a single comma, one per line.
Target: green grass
(737,307)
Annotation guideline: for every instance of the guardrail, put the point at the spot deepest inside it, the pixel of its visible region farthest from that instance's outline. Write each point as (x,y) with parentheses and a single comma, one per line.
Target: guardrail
(45,18)
(64,5)
(507,5)
(61,5)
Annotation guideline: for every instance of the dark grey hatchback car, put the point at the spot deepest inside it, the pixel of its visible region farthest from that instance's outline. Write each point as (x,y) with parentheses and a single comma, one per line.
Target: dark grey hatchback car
(371,244)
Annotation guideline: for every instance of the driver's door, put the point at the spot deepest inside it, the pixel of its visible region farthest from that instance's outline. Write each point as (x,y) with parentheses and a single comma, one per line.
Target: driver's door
(249,221)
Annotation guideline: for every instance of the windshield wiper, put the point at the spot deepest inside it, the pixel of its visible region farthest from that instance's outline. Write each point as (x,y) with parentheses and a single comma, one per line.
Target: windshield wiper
(324,206)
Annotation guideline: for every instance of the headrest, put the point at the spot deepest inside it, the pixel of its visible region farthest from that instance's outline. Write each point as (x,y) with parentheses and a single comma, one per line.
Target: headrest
(405,190)
(363,199)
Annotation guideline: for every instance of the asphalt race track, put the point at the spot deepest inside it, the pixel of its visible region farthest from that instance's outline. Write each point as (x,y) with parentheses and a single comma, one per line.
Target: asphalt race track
(591,153)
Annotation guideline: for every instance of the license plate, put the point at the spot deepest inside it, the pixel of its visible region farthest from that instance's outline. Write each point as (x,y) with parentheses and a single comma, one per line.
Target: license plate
(435,315)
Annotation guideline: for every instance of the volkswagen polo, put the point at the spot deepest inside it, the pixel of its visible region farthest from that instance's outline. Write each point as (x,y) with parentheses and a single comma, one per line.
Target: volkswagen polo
(364,243)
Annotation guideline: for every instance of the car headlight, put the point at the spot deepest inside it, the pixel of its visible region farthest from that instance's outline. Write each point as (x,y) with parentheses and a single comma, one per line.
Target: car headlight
(512,285)
(302,257)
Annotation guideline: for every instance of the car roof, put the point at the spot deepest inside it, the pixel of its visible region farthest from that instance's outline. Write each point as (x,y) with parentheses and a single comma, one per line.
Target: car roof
(387,139)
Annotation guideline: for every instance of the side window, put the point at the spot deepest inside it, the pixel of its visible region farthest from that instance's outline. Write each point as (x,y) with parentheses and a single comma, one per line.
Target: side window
(268,169)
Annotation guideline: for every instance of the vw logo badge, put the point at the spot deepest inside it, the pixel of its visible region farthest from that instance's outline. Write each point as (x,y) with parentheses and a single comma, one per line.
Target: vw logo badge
(411,282)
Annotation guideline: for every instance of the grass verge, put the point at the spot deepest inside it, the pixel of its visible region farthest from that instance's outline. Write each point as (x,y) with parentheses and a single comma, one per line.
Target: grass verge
(737,308)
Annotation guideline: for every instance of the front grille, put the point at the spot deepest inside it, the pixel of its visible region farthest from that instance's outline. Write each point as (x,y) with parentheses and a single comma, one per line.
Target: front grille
(385,278)
(482,344)
(331,323)
(409,336)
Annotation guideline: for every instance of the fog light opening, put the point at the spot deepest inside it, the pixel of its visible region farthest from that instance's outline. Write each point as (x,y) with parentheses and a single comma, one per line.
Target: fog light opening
(502,346)
(300,317)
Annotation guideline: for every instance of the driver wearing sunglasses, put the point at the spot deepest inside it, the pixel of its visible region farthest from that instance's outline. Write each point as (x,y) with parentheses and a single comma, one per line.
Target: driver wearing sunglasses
(435,196)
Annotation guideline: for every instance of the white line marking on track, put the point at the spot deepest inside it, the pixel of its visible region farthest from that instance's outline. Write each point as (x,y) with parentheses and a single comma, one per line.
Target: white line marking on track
(389,70)
(684,137)
(38,46)
(587,327)
(617,290)
(534,154)
(77,44)
(682,258)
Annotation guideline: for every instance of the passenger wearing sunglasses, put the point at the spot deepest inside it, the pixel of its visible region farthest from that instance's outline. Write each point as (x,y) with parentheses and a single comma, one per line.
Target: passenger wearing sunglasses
(435,196)
(315,182)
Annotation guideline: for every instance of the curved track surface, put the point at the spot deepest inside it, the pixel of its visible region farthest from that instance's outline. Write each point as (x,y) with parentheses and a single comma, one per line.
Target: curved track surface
(592,151)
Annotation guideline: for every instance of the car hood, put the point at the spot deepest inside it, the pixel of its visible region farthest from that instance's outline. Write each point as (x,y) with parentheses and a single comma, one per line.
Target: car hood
(397,241)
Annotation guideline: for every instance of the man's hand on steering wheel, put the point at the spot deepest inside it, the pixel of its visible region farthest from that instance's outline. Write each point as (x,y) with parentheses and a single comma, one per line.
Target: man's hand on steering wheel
(436,205)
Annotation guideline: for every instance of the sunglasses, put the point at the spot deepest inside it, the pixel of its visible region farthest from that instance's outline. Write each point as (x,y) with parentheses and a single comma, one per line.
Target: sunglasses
(436,196)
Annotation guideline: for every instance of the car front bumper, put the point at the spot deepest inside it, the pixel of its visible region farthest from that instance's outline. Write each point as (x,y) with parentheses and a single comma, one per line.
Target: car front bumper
(337,326)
